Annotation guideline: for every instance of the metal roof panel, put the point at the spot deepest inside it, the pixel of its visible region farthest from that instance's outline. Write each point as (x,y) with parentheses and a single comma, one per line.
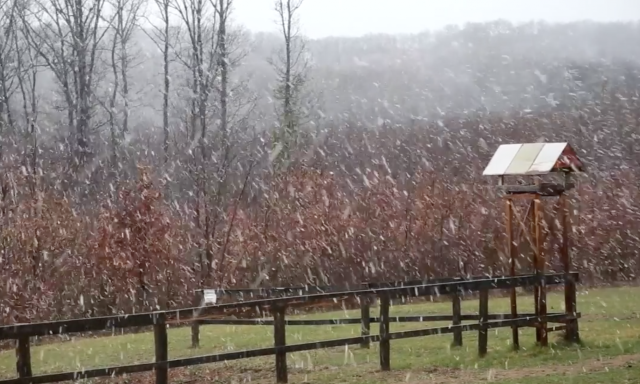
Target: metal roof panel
(501,159)
(547,158)
(523,160)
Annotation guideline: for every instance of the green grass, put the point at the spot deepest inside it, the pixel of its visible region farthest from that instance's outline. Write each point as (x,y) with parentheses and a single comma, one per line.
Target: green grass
(610,328)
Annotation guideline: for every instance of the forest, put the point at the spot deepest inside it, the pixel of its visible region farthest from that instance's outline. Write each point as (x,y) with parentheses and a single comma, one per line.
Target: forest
(149,148)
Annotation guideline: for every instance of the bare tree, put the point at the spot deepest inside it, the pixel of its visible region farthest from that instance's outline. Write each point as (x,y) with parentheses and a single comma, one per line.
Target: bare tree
(67,36)
(291,67)
(217,106)
(124,22)
(161,36)
(199,57)
(223,10)
(27,65)
(8,74)
(231,111)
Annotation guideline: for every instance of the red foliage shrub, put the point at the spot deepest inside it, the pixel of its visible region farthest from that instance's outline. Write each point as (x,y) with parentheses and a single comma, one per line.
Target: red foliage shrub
(57,265)
(138,250)
(40,239)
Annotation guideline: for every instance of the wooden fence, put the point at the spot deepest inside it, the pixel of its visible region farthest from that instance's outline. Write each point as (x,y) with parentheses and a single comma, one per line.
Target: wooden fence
(226,295)
(277,307)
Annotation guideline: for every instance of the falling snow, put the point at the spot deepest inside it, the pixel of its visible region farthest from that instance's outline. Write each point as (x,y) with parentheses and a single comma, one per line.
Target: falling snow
(362,162)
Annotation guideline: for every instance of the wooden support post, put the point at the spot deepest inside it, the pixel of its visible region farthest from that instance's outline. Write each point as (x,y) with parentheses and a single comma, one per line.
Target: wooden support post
(540,262)
(198,301)
(573,330)
(23,357)
(280,341)
(457,319)
(570,297)
(512,252)
(483,331)
(536,291)
(162,350)
(365,319)
(385,343)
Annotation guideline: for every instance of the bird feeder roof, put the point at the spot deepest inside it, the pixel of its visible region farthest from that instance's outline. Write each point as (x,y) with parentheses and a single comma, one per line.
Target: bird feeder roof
(533,159)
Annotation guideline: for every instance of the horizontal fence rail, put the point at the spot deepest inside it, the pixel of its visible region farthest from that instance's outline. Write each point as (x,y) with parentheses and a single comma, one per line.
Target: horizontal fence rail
(241,293)
(392,319)
(279,291)
(190,314)
(426,281)
(277,307)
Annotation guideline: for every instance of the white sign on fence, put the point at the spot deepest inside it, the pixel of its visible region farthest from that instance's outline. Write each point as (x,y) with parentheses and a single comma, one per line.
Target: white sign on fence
(210,296)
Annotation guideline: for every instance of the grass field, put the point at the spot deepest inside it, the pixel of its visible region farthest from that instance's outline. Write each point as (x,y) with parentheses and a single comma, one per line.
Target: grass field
(610,331)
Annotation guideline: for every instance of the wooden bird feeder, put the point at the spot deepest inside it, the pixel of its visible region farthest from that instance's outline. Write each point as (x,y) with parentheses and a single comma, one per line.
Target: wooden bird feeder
(527,173)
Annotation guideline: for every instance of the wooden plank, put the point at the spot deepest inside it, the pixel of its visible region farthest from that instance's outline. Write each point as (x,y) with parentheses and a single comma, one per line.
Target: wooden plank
(425,281)
(457,319)
(541,288)
(564,320)
(162,351)
(512,252)
(542,189)
(187,314)
(534,227)
(572,334)
(573,331)
(536,308)
(483,333)
(385,344)
(85,374)
(23,357)
(280,342)
(431,281)
(347,321)
(365,320)
(279,291)
(238,355)
(544,336)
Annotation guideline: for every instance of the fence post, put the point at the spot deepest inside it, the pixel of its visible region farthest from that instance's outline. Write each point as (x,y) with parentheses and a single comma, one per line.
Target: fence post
(483,331)
(198,300)
(23,357)
(365,320)
(162,350)
(457,319)
(280,341)
(572,333)
(385,344)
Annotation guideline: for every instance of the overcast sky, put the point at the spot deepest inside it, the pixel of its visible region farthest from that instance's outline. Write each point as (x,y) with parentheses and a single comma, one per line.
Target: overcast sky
(321,18)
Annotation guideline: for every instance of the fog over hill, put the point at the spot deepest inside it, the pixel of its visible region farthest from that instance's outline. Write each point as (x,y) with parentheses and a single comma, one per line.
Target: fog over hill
(494,66)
